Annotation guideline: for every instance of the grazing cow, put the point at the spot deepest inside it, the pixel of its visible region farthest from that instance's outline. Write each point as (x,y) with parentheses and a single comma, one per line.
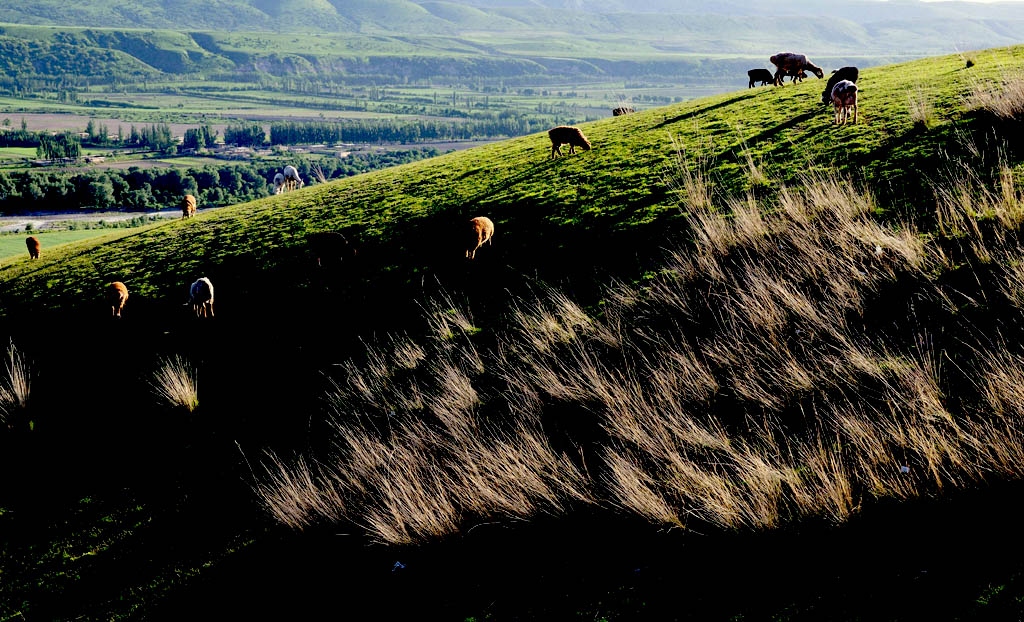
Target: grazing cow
(32,242)
(759,75)
(788,63)
(330,247)
(188,206)
(116,294)
(843,73)
(844,97)
(480,230)
(278,183)
(292,179)
(567,134)
(621,110)
(201,297)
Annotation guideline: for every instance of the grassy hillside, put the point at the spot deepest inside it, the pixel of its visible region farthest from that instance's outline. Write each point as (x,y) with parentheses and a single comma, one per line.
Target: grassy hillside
(831,349)
(33,57)
(615,194)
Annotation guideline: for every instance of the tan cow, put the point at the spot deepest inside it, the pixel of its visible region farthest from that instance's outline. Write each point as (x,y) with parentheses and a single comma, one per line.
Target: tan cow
(116,294)
(480,230)
(188,206)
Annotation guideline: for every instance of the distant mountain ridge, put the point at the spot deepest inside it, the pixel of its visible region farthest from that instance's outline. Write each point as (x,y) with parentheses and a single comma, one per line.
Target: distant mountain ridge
(402,40)
(990,23)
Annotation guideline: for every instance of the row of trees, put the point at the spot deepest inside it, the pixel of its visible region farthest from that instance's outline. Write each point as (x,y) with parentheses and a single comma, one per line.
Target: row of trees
(245,135)
(389,130)
(146,189)
(65,146)
(297,133)
(155,136)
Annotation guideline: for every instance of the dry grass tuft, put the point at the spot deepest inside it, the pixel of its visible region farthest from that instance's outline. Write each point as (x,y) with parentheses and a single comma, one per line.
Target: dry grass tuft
(688,178)
(175,384)
(317,172)
(16,385)
(1003,99)
(922,113)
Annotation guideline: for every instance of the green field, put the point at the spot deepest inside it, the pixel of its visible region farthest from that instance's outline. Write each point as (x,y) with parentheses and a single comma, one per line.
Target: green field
(722,396)
(13,244)
(17,152)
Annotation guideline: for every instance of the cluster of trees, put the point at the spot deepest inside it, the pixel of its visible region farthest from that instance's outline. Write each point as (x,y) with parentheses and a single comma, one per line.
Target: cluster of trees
(197,138)
(18,138)
(156,136)
(98,133)
(146,189)
(64,146)
(245,135)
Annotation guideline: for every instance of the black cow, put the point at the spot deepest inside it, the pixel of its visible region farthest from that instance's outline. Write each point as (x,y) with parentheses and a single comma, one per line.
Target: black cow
(844,73)
(759,75)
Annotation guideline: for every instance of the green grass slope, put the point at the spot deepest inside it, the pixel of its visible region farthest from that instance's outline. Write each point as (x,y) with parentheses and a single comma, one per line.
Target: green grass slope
(614,198)
(12,245)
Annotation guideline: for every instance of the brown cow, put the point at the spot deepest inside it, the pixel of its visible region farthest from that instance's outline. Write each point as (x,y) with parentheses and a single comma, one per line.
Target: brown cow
(621,110)
(32,242)
(567,134)
(790,64)
(116,295)
(188,206)
(480,230)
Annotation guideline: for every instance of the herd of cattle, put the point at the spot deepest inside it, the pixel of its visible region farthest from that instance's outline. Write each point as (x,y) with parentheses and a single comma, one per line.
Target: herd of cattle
(841,90)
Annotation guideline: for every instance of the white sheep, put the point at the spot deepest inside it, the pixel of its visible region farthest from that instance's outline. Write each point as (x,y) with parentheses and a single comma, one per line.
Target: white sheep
(201,297)
(291,178)
(278,183)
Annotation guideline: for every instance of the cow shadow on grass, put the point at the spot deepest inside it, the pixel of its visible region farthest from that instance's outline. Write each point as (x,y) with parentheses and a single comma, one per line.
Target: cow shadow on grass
(778,129)
(700,111)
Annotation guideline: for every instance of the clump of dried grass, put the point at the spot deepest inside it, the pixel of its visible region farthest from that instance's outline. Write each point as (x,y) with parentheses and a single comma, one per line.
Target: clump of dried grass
(922,113)
(16,384)
(1003,99)
(175,384)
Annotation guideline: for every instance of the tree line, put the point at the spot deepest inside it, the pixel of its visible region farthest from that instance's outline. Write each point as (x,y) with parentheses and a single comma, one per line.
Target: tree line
(388,130)
(156,136)
(148,189)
